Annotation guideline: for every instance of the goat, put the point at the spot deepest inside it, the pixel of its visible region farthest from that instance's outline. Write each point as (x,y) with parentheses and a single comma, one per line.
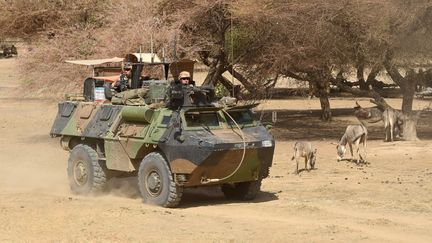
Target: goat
(354,134)
(305,150)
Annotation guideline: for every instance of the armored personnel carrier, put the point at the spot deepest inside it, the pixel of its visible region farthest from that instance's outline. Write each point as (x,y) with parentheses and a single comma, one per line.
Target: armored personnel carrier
(188,139)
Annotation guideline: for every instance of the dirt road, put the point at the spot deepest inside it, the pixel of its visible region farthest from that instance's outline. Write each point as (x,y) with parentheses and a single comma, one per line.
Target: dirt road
(389,200)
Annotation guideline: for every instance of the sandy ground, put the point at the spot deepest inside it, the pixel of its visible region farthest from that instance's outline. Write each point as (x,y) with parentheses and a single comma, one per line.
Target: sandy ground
(389,200)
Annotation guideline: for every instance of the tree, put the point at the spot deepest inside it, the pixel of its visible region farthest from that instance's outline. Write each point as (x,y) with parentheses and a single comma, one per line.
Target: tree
(217,36)
(328,37)
(401,37)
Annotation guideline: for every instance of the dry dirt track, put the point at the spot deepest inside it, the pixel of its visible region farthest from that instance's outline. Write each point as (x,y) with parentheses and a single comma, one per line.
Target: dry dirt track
(388,201)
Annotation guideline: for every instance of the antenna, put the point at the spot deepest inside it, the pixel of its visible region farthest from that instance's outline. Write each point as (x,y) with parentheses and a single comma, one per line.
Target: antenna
(175,67)
(175,48)
(151,48)
(140,53)
(163,53)
(232,56)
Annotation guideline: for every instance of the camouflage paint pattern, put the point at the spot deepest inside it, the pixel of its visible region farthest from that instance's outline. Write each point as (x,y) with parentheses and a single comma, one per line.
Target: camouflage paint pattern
(214,153)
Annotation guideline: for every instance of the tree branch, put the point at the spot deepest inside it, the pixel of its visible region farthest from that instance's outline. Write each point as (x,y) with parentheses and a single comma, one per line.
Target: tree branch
(393,72)
(376,98)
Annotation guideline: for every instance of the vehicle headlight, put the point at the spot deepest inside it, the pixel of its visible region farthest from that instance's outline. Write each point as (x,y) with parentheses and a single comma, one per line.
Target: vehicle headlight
(267,143)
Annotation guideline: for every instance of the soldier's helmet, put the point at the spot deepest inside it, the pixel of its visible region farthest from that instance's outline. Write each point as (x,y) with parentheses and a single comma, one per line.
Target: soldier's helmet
(184,74)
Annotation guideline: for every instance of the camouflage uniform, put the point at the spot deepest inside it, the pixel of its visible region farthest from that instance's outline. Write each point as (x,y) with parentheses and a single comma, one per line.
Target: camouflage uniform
(122,84)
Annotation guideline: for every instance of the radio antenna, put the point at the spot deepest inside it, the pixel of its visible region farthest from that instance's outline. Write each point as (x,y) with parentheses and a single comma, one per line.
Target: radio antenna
(140,53)
(232,56)
(163,53)
(175,48)
(151,48)
(175,67)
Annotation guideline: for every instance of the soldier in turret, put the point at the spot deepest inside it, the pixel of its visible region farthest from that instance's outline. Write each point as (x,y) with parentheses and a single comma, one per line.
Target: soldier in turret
(184,78)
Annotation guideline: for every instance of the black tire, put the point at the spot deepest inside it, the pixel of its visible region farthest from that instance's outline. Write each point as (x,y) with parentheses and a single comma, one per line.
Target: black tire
(156,183)
(86,174)
(242,190)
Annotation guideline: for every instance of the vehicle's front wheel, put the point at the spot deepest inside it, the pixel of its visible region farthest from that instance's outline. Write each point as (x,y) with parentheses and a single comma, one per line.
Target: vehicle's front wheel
(242,190)
(156,183)
(86,175)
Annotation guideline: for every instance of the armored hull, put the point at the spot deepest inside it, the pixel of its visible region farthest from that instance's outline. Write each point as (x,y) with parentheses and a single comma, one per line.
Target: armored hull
(201,147)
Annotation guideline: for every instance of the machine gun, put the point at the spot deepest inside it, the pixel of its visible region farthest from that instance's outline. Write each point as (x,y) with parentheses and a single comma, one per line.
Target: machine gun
(189,96)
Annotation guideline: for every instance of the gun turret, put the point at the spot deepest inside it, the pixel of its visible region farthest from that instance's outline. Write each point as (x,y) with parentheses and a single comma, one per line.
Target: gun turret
(189,96)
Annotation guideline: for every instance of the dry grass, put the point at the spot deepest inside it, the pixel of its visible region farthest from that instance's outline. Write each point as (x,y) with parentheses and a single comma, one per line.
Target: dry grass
(55,31)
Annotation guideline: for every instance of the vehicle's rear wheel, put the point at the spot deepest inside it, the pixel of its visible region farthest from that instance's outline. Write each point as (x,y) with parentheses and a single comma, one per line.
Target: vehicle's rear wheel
(242,190)
(156,183)
(86,174)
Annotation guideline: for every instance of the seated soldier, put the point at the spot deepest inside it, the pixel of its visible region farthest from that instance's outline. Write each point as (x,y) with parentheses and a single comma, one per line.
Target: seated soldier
(124,95)
(119,82)
(122,84)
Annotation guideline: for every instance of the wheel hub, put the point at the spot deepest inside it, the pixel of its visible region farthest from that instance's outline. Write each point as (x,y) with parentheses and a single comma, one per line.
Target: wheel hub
(154,183)
(80,173)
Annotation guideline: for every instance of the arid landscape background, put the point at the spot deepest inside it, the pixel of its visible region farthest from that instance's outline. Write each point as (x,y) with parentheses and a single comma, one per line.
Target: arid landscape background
(388,200)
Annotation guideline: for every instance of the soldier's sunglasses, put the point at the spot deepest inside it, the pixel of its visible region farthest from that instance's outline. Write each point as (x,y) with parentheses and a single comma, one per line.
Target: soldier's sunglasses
(185,79)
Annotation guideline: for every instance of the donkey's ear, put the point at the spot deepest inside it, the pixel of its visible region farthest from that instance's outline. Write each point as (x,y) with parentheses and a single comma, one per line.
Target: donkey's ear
(315,151)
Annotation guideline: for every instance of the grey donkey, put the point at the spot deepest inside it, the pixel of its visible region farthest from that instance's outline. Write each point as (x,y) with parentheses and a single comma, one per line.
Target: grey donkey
(392,123)
(367,115)
(391,118)
(354,134)
(305,150)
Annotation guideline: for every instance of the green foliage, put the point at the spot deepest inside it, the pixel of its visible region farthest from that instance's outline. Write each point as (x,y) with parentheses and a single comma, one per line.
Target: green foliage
(221,90)
(237,39)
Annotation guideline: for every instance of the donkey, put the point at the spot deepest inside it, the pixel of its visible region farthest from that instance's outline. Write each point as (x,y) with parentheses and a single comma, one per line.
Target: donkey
(392,123)
(392,119)
(354,134)
(305,150)
(367,115)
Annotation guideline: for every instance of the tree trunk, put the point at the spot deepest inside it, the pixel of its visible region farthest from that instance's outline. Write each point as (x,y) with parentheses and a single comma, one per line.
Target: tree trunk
(215,71)
(226,83)
(320,85)
(325,107)
(410,118)
(407,85)
(360,77)
(217,65)
(408,92)
(372,75)
(407,102)
(410,126)
(249,86)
